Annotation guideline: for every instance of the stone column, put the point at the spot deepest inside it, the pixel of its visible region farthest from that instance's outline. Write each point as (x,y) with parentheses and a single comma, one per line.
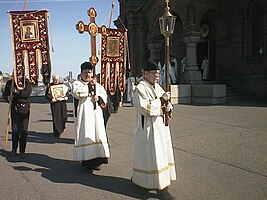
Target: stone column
(191,38)
(191,73)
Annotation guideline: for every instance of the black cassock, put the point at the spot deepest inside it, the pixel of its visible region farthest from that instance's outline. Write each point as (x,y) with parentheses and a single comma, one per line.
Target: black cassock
(59,113)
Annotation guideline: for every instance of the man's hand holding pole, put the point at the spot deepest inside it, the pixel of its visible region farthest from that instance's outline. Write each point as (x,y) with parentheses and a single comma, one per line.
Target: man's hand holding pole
(167,107)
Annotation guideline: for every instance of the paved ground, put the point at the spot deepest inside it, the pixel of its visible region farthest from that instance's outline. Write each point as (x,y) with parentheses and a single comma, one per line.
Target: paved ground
(220,153)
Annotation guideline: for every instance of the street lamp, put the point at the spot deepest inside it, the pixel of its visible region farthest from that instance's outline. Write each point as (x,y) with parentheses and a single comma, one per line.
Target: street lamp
(167,24)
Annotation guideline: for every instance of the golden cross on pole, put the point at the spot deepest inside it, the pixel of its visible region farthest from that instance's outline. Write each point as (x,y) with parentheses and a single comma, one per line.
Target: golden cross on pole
(93,30)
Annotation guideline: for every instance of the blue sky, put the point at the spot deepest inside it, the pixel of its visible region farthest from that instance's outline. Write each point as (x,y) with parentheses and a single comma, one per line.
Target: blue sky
(70,47)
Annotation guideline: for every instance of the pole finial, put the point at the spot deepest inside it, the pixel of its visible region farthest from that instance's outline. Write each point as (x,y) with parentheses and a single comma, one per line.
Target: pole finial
(25,4)
(167,2)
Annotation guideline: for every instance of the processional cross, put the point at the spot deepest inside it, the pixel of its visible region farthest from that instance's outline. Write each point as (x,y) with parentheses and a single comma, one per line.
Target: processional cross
(93,30)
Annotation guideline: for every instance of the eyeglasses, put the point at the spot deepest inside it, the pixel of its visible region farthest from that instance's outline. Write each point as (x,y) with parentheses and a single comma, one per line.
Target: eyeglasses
(154,72)
(86,71)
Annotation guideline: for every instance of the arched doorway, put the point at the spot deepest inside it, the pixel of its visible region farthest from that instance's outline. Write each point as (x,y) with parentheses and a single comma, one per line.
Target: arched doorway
(206,48)
(213,28)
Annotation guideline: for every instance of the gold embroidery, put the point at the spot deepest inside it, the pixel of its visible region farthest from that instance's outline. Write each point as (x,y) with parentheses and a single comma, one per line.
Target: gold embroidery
(154,171)
(148,108)
(84,145)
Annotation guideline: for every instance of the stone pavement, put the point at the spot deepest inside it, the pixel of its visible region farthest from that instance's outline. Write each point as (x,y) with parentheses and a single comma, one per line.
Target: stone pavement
(220,153)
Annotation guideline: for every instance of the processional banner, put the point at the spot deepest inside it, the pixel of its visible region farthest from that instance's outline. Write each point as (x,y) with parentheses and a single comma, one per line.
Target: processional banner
(30,46)
(113,60)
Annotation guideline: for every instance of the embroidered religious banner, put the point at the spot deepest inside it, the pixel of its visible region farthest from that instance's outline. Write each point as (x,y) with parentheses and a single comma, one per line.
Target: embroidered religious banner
(30,46)
(113,60)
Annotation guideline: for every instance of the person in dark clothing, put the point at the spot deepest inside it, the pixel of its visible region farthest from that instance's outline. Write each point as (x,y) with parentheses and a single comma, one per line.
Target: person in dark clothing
(58,105)
(20,113)
(114,100)
(106,113)
(106,107)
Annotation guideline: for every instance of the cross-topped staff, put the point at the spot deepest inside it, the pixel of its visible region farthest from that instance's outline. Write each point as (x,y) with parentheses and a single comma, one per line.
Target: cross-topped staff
(93,30)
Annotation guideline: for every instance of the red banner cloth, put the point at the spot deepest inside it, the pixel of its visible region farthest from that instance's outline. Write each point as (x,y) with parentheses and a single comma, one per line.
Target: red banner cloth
(30,46)
(113,60)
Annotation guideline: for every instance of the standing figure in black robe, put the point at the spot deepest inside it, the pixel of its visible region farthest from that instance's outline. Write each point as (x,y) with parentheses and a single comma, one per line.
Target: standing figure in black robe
(58,105)
(20,114)
(114,100)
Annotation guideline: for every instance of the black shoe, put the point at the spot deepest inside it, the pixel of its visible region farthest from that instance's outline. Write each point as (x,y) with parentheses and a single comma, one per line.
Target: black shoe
(13,152)
(23,155)
(164,195)
(87,168)
(97,168)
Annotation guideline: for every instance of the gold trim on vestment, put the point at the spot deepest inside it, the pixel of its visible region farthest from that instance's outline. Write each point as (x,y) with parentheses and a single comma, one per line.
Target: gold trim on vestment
(154,171)
(84,145)
(148,107)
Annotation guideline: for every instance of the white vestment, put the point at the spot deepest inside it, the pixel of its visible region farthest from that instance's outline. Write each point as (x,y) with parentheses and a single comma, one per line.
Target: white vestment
(153,162)
(90,139)
(131,81)
(174,66)
(172,76)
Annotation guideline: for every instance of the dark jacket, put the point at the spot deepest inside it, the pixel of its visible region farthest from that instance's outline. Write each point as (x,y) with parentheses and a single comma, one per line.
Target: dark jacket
(19,96)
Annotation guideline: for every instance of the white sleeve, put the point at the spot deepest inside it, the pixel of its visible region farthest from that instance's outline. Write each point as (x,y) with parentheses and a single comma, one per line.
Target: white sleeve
(79,90)
(145,106)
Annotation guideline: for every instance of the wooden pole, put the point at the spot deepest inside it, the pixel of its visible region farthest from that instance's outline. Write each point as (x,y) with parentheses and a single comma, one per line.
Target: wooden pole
(9,110)
(8,122)
(25,5)
(167,86)
(167,51)
(111,13)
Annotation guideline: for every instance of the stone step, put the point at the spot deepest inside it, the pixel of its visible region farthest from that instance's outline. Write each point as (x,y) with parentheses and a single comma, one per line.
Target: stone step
(232,94)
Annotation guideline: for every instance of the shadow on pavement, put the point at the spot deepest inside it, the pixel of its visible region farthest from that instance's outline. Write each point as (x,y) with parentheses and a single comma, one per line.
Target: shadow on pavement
(43,100)
(51,169)
(47,138)
(38,99)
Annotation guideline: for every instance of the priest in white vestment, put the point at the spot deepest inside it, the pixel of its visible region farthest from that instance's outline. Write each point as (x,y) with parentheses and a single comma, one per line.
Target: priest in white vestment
(205,69)
(91,144)
(153,162)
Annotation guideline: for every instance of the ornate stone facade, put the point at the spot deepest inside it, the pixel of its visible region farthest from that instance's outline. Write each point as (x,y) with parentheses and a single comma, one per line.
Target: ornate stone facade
(232,34)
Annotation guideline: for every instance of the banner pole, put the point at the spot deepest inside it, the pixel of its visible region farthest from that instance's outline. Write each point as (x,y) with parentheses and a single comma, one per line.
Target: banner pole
(9,110)
(25,4)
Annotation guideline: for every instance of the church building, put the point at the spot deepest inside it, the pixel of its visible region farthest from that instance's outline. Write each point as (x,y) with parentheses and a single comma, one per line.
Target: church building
(232,35)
